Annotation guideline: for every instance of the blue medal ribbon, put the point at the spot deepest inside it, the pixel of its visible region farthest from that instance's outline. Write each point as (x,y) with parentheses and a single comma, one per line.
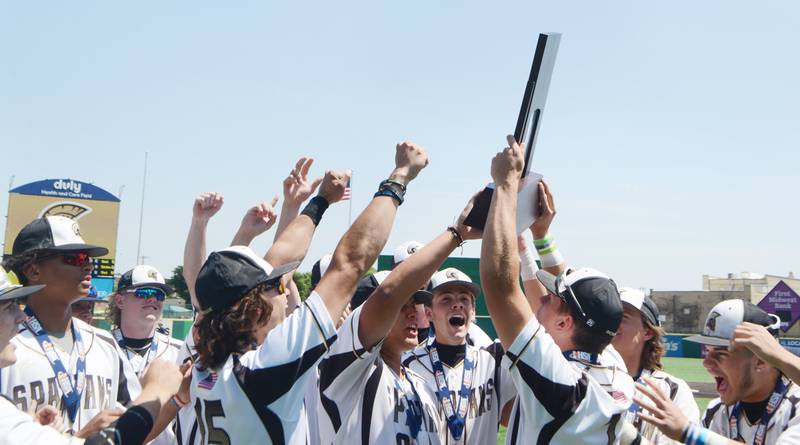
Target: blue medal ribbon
(455,416)
(150,354)
(70,391)
(778,394)
(413,409)
(635,408)
(574,355)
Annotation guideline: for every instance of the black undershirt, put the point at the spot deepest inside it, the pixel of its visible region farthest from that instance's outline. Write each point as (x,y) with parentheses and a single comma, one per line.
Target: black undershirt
(754,410)
(138,345)
(451,355)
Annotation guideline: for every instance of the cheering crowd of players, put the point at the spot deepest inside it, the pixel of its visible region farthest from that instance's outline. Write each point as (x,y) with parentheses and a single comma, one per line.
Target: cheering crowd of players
(388,358)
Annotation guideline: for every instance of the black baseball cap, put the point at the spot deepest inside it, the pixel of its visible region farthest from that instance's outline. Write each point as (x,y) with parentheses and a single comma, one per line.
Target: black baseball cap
(229,274)
(53,234)
(590,294)
(143,276)
(319,268)
(368,284)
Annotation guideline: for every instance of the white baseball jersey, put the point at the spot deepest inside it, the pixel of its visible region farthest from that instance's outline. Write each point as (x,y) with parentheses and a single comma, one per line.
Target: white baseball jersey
(478,336)
(19,428)
(678,391)
(491,388)
(363,401)
(783,427)
(110,382)
(562,401)
(257,397)
(167,348)
(186,427)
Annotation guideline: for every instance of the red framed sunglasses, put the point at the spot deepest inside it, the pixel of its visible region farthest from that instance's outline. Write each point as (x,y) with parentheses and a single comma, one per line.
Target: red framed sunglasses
(76,259)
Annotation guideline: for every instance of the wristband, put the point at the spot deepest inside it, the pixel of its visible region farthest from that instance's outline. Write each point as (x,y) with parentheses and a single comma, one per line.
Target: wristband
(456,235)
(392,189)
(315,209)
(697,435)
(527,265)
(178,402)
(548,251)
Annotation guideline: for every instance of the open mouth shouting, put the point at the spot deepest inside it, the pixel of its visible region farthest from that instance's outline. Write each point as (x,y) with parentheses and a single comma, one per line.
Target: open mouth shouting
(457,321)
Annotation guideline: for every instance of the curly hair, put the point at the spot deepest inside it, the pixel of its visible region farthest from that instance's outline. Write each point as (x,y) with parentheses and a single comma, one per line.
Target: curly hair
(19,262)
(224,332)
(654,348)
(113,314)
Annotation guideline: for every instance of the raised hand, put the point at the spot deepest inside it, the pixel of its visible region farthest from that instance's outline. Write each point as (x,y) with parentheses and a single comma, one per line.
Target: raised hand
(757,339)
(333,185)
(163,378)
(507,165)
(258,219)
(662,412)
(409,160)
(467,232)
(547,206)
(207,205)
(296,186)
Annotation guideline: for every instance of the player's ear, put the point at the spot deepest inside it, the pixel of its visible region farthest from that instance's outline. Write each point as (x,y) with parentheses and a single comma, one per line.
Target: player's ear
(648,334)
(32,272)
(118,300)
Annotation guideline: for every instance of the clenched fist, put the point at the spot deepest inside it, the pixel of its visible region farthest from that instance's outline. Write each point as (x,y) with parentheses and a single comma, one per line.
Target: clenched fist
(507,165)
(409,160)
(333,185)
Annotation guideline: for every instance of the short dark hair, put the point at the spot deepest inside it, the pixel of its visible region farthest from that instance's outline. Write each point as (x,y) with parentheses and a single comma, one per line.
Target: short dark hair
(585,338)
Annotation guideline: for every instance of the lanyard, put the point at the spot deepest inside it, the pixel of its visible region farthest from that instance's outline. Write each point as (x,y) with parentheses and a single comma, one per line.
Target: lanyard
(456,417)
(781,387)
(635,408)
(413,409)
(121,342)
(70,392)
(574,355)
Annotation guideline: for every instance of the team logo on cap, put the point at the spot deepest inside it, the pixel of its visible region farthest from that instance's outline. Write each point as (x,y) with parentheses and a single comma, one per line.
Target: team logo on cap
(411,249)
(452,274)
(711,323)
(76,229)
(152,274)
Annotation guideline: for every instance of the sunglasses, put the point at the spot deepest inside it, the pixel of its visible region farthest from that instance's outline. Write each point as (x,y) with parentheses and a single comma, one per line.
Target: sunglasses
(279,285)
(148,292)
(76,259)
(570,298)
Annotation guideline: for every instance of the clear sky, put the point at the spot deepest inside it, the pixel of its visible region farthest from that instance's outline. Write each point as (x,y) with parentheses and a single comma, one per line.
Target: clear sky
(670,135)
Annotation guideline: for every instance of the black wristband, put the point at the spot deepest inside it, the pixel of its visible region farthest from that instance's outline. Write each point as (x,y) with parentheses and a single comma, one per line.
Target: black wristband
(131,428)
(392,189)
(315,209)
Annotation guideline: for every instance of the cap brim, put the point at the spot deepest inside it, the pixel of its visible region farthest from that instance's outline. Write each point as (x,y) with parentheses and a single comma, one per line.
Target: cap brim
(94,251)
(20,292)
(282,270)
(706,340)
(92,300)
(156,284)
(423,297)
(547,279)
(473,288)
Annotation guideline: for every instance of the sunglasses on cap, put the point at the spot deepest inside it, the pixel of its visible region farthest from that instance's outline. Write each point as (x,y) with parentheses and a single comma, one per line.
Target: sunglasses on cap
(569,297)
(76,259)
(148,292)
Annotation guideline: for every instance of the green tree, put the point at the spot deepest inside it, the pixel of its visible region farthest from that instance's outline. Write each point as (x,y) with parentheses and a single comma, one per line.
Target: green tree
(177,282)
(303,282)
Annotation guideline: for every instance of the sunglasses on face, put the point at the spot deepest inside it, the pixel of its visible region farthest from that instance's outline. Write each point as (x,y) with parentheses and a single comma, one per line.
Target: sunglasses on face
(148,292)
(76,259)
(279,286)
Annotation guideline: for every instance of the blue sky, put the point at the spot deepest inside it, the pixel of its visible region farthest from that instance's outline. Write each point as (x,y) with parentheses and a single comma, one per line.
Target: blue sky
(669,136)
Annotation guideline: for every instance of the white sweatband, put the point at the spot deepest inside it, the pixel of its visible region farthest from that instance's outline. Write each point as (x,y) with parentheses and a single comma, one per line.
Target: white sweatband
(548,251)
(527,264)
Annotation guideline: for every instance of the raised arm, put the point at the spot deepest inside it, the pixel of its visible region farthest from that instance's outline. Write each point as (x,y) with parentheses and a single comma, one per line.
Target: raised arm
(499,263)
(360,245)
(256,221)
(381,308)
(296,189)
(194,252)
(292,244)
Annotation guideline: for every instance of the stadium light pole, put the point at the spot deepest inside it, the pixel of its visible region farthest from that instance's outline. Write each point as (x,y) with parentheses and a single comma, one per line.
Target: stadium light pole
(141,214)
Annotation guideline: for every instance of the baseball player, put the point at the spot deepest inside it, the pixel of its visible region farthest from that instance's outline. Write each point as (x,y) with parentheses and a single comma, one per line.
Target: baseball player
(639,341)
(83,309)
(565,394)
(19,427)
(63,361)
(470,386)
(757,404)
(254,361)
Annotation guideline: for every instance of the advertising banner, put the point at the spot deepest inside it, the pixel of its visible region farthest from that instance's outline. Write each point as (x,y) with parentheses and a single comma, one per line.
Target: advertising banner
(783,302)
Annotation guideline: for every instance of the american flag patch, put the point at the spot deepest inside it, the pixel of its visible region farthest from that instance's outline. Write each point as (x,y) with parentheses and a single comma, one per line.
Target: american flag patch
(619,398)
(209,381)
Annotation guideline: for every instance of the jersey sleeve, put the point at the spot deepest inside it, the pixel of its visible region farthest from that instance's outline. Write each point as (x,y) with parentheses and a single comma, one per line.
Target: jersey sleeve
(685,400)
(535,359)
(343,374)
(791,435)
(19,428)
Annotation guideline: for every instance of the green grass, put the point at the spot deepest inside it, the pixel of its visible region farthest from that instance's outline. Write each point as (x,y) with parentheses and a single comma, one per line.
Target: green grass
(689,369)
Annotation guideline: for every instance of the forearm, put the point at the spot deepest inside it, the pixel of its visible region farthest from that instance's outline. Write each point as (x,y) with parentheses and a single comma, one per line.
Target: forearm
(499,267)
(289,212)
(165,416)
(194,254)
(381,309)
(293,243)
(534,290)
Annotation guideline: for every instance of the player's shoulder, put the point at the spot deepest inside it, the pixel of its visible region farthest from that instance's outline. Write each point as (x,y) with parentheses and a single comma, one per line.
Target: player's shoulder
(714,410)
(169,340)
(94,337)
(416,357)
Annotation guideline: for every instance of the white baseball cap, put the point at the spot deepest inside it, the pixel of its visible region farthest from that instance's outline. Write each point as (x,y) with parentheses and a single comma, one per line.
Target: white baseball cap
(640,302)
(723,319)
(143,276)
(55,234)
(451,277)
(10,289)
(405,250)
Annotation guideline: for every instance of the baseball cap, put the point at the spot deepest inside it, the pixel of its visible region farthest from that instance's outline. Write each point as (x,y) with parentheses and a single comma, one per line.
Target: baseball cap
(367,285)
(10,289)
(453,277)
(92,297)
(229,274)
(319,268)
(143,276)
(589,293)
(726,315)
(641,303)
(405,250)
(55,234)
